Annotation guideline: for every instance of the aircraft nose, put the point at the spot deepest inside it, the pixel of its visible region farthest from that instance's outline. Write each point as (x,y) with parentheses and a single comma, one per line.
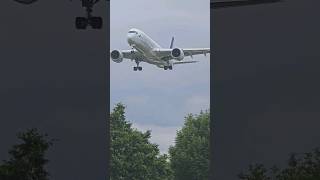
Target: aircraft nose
(130,38)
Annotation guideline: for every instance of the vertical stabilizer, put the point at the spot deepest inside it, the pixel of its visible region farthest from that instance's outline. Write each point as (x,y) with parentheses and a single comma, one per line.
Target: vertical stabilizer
(171,44)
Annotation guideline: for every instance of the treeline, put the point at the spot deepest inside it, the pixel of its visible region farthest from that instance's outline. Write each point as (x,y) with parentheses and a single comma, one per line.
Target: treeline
(299,167)
(134,157)
(27,160)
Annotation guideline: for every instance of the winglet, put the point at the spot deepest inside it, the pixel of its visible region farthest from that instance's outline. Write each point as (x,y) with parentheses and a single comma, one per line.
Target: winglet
(171,44)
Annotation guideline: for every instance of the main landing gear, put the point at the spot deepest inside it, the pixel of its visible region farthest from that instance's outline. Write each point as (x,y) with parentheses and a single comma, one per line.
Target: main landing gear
(139,68)
(83,22)
(167,67)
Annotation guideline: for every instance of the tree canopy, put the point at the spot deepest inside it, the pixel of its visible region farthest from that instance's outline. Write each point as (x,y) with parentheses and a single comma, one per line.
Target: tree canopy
(27,159)
(190,156)
(133,157)
(299,167)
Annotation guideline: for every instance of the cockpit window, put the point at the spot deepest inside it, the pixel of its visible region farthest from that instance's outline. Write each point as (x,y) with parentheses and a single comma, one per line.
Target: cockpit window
(133,32)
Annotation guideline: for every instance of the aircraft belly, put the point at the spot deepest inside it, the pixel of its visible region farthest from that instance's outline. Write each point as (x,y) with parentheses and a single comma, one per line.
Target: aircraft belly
(140,46)
(147,52)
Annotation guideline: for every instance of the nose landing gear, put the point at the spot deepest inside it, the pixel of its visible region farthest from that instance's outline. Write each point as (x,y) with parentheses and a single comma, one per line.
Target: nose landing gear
(83,22)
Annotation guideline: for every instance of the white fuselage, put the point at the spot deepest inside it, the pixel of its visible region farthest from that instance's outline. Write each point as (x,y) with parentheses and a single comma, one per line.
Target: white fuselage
(146,46)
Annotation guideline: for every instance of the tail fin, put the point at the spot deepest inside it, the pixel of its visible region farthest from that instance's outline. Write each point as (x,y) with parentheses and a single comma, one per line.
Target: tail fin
(171,44)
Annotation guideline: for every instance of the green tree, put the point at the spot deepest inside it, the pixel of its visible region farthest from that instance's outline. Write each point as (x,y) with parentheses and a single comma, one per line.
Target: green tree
(27,160)
(190,156)
(133,157)
(299,167)
(255,172)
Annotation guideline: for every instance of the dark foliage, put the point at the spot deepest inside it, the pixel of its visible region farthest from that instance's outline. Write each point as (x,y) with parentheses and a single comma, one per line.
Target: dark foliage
(27,159)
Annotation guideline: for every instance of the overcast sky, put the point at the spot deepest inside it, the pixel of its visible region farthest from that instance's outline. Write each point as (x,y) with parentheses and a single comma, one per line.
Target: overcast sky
(156,99)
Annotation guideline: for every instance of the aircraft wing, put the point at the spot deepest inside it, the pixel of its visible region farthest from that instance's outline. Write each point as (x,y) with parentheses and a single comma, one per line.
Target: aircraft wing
(132,54)
(225,4)
(195,51)
(165,54)
(184,62)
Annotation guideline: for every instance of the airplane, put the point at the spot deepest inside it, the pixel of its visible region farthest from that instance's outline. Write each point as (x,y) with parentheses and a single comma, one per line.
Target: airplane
(80,22)
(144,49)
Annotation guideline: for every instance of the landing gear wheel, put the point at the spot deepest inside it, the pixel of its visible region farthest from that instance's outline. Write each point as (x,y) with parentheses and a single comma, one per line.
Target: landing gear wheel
(137,67)
(170,67)
(165,67)
(81,22)
(96,22)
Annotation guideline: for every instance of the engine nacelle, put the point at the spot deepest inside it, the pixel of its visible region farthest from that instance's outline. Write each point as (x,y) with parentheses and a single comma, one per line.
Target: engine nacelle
(177,54)
(116,56)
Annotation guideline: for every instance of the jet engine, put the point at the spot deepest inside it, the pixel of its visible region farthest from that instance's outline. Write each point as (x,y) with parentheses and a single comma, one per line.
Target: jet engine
(177,54)
(116,56)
